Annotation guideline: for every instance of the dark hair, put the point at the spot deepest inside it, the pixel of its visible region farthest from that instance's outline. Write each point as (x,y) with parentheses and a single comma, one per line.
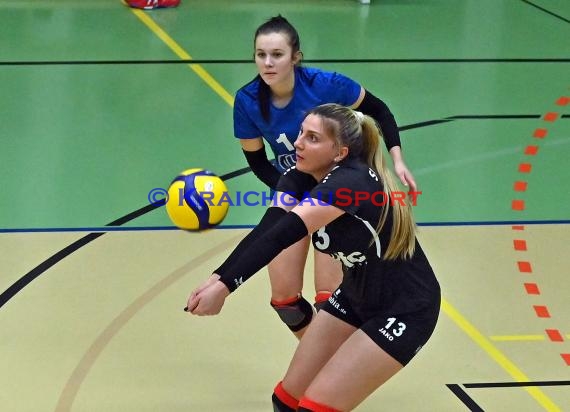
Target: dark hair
(277,24)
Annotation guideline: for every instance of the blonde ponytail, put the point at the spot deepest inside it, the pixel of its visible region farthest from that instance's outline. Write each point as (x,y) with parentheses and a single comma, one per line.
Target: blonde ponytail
(402,239)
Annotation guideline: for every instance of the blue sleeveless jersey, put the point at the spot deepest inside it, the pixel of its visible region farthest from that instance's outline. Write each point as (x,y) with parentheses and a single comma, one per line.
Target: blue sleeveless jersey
(312,88)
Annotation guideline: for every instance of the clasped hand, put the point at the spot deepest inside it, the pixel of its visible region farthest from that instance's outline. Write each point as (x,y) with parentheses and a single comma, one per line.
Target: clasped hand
(208,298)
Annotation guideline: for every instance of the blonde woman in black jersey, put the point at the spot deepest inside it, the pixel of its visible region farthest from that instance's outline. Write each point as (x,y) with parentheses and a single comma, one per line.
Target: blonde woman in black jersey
(387,305)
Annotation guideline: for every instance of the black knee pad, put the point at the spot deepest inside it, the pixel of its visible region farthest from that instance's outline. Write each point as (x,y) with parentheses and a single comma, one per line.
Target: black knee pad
(279,406)
(282,400)
(319,305)
(296,314)
(321,299)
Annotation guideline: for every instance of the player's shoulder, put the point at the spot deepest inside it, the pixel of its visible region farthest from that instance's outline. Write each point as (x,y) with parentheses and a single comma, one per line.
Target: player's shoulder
(291,170)
(295,174)
(313,76)
(249,91)
(352,173)
(319,76)
(351,167)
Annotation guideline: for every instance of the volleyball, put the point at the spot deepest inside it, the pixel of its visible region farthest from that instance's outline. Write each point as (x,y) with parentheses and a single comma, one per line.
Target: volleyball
(196,200)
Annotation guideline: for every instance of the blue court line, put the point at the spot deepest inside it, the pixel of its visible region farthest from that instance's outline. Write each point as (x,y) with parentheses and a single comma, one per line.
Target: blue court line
(104,229)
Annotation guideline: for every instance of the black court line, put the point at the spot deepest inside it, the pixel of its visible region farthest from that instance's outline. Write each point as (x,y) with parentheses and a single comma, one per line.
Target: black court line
(45,265)
(235,173)
(546,11)
(472,405)
(57,257)
(424,124)
(495,116)
(475,117)
(463,397)
(250,61)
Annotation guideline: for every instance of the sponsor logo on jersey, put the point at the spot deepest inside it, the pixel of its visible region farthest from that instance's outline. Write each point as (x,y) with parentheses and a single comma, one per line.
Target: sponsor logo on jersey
(336,304)
(351,259)
(386,334)
(286,161)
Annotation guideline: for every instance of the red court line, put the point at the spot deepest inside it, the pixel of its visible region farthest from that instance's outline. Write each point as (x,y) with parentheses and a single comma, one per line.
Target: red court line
(554,335)
(518,204)
(541,311)
(520,186)
(524,267)
(532,288)
(525,167)
(520,245)
(551,116)
(531,150)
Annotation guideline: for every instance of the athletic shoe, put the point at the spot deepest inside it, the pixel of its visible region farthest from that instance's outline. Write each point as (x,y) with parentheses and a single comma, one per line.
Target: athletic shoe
(151,4)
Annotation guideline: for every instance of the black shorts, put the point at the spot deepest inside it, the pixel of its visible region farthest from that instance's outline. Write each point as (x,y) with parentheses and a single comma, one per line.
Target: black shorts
(401,335)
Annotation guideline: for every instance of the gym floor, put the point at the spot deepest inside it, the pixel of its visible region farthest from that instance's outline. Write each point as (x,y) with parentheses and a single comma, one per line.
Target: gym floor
(102,105)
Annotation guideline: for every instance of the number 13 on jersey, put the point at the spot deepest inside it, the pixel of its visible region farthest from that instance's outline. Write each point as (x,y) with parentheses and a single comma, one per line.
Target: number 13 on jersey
(395,332)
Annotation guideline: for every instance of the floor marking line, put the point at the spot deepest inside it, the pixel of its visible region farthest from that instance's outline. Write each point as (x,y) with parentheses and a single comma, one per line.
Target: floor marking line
(91,355)
(497,356)
(180,52)
(516,338)
(463,397)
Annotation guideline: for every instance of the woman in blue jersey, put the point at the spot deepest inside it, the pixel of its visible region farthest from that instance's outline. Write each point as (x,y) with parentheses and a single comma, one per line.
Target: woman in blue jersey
(270,109)
(387,305)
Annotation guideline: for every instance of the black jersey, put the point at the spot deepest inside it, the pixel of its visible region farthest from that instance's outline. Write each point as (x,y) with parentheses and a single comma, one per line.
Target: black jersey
(372,283)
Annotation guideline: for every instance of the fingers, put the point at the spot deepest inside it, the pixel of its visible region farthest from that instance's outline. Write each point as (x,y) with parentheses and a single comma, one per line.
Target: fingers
(200,309)
(408,180)
(402,176)
(192,303)
(412,182)
(197,310)
(209,301)
(194,299)
(195,304)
